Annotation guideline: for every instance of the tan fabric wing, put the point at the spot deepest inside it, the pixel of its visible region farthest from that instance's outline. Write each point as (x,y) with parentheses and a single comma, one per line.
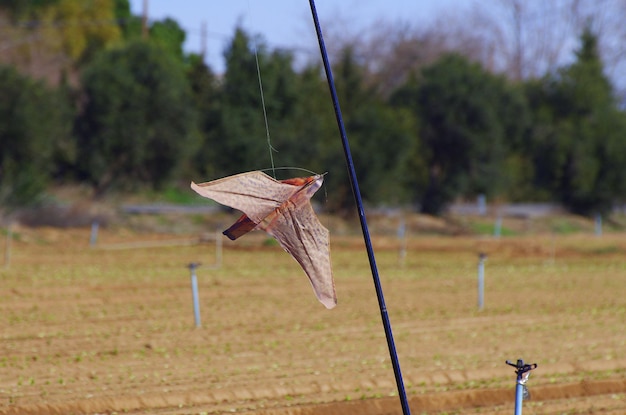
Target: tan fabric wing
(299,232)
(254,193)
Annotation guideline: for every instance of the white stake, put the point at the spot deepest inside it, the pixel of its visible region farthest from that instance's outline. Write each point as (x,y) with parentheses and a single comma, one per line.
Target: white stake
(94,233)
(481,280)
(194,292)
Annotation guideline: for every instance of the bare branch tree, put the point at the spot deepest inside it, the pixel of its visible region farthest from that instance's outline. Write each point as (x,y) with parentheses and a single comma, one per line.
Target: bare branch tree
(521,39)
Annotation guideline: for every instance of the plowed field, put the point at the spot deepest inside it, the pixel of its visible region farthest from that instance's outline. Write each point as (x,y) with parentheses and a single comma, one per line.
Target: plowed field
(110,328)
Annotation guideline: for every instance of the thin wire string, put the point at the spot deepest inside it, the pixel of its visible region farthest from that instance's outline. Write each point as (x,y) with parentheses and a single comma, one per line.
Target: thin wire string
(291,168)
(267,126)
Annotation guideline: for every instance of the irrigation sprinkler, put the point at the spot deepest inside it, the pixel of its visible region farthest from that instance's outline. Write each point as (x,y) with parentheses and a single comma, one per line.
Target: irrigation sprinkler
(481,280)
(521,391)
(194,292)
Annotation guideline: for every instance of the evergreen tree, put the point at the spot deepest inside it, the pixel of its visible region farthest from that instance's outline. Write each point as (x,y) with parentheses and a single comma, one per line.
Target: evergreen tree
(468,122)
(33,120)
(241,144)
(205,91)
(169,36)
(579,138)
(138,123)
(129,24)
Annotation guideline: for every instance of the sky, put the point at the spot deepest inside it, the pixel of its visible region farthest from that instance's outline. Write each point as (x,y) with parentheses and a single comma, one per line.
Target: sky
(282,23)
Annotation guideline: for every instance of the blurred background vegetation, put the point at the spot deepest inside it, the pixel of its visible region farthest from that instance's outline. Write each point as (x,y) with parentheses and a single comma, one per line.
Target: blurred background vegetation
(433,114)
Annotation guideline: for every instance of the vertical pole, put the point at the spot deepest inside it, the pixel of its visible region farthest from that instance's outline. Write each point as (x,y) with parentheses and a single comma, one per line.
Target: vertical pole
(144,20)
(402,240)
(522,372)
(194,292)
(203,40)
(481,202)
(481,281)
(519,396)
(94,233)
(598,224)
(497,229)
(359,204)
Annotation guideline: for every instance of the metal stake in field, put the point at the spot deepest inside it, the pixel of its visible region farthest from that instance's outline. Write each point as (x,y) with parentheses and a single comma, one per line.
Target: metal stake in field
(521,391)
(497,227)
(481,280)
(194,292)
(359,203)
(402,240)
(93,238)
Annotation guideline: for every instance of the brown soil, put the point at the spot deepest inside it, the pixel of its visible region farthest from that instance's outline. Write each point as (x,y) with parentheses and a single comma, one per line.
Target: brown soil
(110,328)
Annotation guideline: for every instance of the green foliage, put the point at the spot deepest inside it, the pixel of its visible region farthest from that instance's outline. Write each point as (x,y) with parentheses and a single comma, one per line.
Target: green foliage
(204,89)
(129,24)
(33,123)
(469,121)
(578,135)
(149,113)
(65,147)
(564,226)
(176,195)
(307,137)
(169,36)
(240,141)
(489,228)
(139,122)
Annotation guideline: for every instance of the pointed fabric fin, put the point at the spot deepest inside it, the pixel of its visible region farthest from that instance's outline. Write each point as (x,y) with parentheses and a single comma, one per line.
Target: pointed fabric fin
(240,228)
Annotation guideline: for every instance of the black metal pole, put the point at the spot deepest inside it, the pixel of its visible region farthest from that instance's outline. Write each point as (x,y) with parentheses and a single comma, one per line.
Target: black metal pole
(362,219)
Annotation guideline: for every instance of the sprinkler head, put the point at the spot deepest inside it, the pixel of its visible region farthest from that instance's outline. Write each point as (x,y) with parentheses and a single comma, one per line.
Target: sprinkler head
(193,265)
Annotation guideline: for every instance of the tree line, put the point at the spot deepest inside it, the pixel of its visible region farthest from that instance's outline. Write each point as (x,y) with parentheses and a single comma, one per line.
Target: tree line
(132,112)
